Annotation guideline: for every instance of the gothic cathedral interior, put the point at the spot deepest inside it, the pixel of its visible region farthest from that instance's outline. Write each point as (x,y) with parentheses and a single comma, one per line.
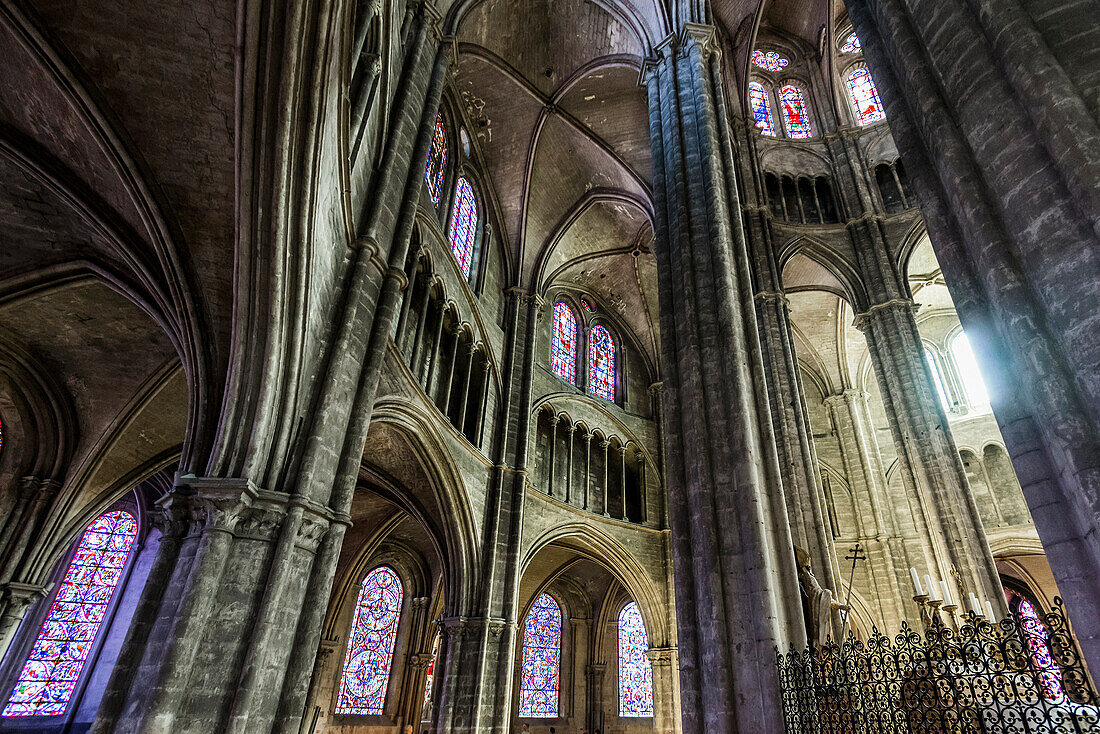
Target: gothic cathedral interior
(572,366)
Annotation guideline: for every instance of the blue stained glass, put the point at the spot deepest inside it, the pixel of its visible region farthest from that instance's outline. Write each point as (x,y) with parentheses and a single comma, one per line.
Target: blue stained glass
(563,343)
(851,45)
(635,670)
(761,109)
(1038,643)
(464,225)
(795,118)
(538,693)
(370,644)
(861,88)
(601,364)
(437,161)
(49,676)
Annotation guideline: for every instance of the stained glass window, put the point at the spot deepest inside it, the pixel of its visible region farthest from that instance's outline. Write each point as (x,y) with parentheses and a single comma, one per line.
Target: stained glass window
(601,363)
(861,88)
(769,60)
(437,161)
(587,305)
(563,343)
(937,379)
(1038,643)
(761,109)
(464,225)
(851,45)
(968,371)
(538,693)
(635,670)
(427,710)
(49,676)
(370,645)
(795,118)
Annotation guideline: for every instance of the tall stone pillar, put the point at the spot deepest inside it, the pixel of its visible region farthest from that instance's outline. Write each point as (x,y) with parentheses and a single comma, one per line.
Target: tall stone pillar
(666,704)
(790,416)
(736,588)
(989,102)
(875,523)
(930,465)
(229,626)
(594,675)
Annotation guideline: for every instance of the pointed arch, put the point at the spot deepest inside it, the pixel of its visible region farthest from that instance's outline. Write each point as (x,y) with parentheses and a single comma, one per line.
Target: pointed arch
(464,224)
(49,676)
(601,363)
(436,169)
(761,109)
(541,672)
(864,95)
(369,656)
(796,117)
(635,670)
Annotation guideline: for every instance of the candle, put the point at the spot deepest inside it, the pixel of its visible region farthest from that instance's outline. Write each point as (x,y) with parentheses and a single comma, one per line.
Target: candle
(974,605)
(916,581)
(989,611)
(946,593)
(931,588)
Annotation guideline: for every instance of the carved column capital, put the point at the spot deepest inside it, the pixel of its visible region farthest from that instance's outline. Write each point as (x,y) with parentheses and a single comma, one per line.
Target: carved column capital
(661,656)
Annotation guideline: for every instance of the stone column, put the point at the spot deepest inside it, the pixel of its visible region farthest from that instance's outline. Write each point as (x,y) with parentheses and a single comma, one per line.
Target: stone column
(725,494)
(929,461)
(435,348)
(877,528)
(451,363)
(576,708)
(604,444)
(569,460)
(471,350)
(1012,204)
(412,274)
(587,467)
(594,674)
(486,374)
(553,444)
(17,599)
(666,704)
(418,335)
(622,479)
(639,458)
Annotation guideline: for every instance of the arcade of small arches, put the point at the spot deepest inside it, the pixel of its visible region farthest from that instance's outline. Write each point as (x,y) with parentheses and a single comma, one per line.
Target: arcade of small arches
(500,363)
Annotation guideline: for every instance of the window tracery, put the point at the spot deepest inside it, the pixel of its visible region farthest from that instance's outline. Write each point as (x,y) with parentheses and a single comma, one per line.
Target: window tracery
(437,161)
(49,676)
(851,45)
(635,670)
(937,379)
(864,95)
(769,60)
(563,343)
(369,657)
(464,225)
(969,374)
(761,109)
(795,119)
(538,696)
(601,363)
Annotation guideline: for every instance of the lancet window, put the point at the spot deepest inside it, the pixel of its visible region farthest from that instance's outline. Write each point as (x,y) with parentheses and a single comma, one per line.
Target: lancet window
(369,657)
(601,363)
(541,671)
(436,169)
(635,670)
(563,343)
(464,225)
(49,676)
(969,373)
(864,96)
(795,118)
(937,379)
(761,109)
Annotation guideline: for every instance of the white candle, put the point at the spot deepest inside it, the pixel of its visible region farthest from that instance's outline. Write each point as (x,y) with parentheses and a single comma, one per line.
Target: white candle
(916,581)
(974,605)
(946,592)
(989,612)
(931,588)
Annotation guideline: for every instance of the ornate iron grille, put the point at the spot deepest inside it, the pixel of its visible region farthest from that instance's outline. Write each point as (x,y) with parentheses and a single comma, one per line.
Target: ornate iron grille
(1012,677)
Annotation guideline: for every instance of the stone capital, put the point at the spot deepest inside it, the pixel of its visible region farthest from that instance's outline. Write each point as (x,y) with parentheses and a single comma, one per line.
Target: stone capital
(864,319)
(661,656)
(772,297)
(702,36)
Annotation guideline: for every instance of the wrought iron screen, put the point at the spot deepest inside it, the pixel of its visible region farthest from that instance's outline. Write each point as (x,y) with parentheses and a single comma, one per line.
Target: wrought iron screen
(1018,676)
